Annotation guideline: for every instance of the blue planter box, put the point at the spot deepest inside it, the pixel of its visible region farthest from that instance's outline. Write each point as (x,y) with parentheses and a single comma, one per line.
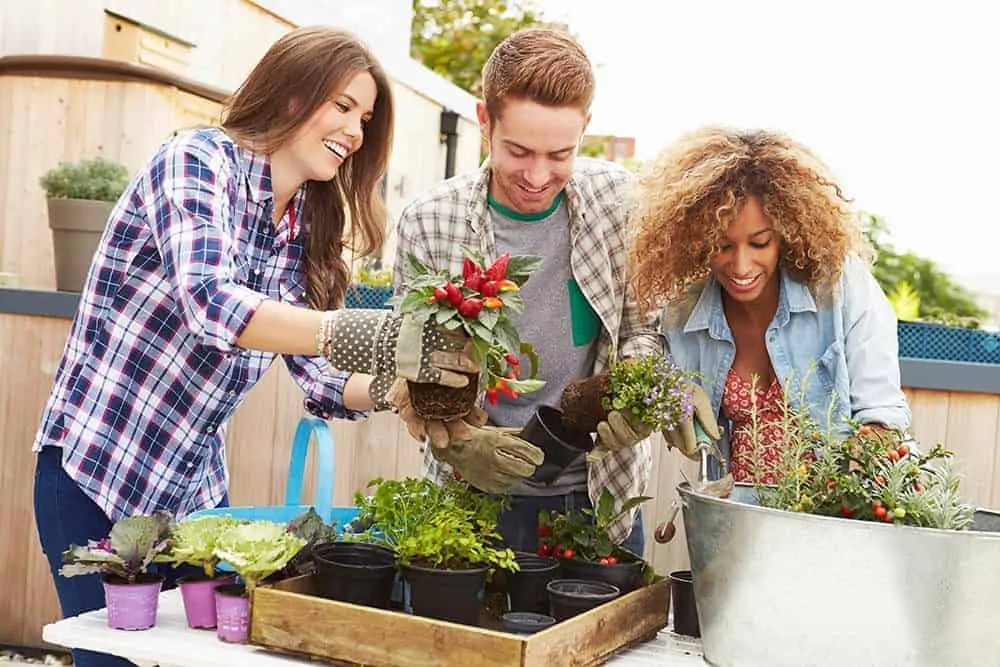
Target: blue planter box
(923,340)
(364,296)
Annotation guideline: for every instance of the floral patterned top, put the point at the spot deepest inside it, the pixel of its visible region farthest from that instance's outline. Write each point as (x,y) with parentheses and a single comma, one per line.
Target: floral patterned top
(738,399)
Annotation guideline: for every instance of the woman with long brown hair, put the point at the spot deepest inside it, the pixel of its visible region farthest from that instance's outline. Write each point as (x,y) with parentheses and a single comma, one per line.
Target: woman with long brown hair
(225,251)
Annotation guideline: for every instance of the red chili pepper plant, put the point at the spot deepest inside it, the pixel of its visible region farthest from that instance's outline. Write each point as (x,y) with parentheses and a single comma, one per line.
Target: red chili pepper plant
(477,304)
(872,474)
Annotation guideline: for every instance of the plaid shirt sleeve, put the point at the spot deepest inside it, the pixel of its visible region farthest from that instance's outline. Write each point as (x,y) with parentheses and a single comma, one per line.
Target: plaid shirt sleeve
(323,388)
(189,204)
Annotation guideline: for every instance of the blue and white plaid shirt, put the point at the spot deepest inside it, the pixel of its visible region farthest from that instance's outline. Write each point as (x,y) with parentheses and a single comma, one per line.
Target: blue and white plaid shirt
(151,372)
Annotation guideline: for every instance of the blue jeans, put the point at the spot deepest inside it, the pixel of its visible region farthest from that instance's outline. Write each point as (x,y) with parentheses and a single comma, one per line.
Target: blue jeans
(65,515)
(519,524)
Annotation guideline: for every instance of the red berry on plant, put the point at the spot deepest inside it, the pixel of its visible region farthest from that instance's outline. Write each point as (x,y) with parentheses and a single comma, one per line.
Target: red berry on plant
(612,560)
(544,549)
(903,450)
(454,294)
(490,288)
(512,359)
(603,561)
(568,553)
(893,455)
(470,307)
(441,294)
(544,531)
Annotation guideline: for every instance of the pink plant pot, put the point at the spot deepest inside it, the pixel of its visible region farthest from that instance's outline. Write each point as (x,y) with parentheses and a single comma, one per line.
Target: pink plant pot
(232,613)
(132,606)
(199,600)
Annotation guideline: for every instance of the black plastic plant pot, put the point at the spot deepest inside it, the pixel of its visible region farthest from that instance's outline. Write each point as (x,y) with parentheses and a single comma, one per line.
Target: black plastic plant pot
(357,573)
(685,609)
(525,622)
(526,588)
(447,595)
(561,446)
(625,576)
(570,597)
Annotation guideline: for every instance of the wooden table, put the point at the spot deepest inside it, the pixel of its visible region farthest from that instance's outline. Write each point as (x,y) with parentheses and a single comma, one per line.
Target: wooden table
(172,644)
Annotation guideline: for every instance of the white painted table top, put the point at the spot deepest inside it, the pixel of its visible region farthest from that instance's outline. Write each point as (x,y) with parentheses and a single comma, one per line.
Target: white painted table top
(170,643)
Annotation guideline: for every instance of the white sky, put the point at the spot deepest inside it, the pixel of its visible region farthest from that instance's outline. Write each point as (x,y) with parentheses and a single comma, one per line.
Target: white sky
(899,98)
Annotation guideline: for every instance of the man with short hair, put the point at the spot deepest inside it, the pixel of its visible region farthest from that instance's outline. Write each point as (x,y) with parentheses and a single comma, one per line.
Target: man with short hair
(534,196)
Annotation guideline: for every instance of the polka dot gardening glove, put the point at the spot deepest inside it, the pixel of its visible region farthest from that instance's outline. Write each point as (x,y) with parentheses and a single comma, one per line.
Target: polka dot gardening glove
(390,345)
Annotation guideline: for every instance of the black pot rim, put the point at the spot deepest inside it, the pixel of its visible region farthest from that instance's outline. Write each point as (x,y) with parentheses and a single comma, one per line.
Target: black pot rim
(232,590)
(605,590)
(681,576)
(547,562)
(327,553)
(526,621)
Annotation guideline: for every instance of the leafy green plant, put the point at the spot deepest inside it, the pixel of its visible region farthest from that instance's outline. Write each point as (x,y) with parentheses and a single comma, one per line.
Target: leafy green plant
(257,549)
(193,542)
(477,302)
(874,474)
(97,179)
(448,526)
(584,534)
(126,553)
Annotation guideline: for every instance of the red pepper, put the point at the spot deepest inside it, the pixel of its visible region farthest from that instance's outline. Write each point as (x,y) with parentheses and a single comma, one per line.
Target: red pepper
(490,288)
(544,549)
(491,396)
(470,307)
(475,281)
(505,390)
(512,359)
(498,271)
(440,294)
(454,294)
(469,268)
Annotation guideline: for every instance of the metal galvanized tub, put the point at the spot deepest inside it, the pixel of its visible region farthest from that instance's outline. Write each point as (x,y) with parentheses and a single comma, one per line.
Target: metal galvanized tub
(782,589)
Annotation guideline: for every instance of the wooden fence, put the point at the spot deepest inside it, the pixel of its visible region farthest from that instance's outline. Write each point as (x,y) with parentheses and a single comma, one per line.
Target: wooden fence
(259,443)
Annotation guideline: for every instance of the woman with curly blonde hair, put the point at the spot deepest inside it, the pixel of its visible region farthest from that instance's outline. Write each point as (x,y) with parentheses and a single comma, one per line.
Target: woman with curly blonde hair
(751,248)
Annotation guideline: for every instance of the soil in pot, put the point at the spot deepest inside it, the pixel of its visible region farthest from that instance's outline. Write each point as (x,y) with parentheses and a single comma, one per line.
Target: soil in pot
(581,403)
(625,576)
(685,609)
(232,613)
(561,446)
(526,588)
(447,595)
(132,606)
(434,401)
(198,593)
(361,574)
(526,622)
(570,597)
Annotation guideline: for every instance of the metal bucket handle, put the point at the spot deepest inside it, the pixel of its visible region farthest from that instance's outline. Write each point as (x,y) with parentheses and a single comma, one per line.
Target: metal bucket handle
(309,426)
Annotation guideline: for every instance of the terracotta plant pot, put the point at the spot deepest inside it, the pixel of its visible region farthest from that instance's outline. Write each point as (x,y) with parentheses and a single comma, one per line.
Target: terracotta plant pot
(570,597)
(434,401)
(232,613)
(561,447)
(132,606)
(581,403)
(198,593)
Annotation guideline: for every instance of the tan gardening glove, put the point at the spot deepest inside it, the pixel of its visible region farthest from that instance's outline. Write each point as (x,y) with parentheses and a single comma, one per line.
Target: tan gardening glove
(617,432)
(683,437)
(491,459)
(440,433)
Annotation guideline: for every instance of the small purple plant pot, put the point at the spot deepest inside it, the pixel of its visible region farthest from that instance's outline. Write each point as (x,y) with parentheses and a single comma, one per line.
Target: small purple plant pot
(199,599)
(132,606)
(232,613)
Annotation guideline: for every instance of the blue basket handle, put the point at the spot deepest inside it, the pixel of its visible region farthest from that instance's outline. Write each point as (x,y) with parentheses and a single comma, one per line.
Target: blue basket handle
(297,465)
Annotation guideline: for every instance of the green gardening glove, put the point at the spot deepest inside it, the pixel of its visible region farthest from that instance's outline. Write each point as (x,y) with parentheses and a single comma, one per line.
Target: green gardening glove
(617,432)
(491,459)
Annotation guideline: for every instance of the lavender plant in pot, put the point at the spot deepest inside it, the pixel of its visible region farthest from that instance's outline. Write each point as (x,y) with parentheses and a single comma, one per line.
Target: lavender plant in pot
(122,559)
(256,550)
(193,544)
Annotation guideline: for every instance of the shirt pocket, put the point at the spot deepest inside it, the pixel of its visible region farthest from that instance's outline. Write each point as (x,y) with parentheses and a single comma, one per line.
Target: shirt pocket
(832,383)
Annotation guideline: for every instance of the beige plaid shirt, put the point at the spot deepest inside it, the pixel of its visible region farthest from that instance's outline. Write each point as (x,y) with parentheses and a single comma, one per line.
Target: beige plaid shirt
(455,213)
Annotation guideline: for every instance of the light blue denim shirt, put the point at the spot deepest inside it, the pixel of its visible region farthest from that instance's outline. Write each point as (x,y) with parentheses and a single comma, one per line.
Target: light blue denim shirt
(847,346)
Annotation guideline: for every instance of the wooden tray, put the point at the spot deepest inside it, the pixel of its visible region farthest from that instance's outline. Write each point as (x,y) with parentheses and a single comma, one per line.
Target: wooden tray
(286,617)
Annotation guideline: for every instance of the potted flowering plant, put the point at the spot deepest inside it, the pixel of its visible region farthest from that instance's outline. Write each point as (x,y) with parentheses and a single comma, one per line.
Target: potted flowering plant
(255,549)
(475,304)
(193,544)
(874,474)
(122,558)
(581,540)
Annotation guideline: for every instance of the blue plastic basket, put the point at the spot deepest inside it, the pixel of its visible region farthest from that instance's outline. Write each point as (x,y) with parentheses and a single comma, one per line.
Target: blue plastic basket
(924,340)
(293,489)
(366,296)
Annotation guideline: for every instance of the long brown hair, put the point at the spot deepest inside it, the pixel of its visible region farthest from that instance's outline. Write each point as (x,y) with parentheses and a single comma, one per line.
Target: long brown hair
(297,75)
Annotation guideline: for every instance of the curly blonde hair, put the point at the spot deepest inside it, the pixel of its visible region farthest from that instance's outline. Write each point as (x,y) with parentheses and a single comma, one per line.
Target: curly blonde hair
(687,198)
